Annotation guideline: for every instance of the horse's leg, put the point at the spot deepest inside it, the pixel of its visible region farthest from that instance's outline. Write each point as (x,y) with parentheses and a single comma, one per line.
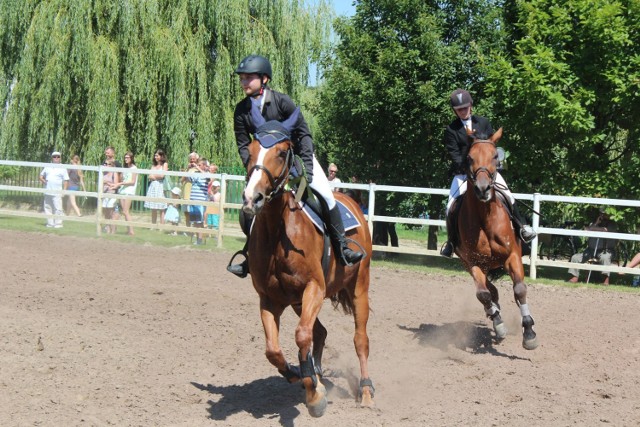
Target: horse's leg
(516,271)
(316,396)
(270,314)
(491,308)
(319,339)
(361,339)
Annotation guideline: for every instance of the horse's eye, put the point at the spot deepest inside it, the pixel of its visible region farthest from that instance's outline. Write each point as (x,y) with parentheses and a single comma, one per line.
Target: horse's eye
(282,154)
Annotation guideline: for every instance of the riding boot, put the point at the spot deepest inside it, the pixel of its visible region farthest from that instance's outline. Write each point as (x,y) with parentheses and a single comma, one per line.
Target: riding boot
(452,237)
(346,255)
(242,269)
(525,231)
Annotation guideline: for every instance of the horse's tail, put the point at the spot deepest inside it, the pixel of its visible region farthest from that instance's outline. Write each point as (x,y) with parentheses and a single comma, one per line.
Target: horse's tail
(344,299)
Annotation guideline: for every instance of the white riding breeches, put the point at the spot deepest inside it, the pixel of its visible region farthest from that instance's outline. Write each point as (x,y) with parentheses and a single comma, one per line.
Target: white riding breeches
(321,185)
(459,187)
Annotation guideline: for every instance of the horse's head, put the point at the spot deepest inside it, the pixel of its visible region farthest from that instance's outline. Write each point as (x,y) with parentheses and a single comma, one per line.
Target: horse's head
(482,163)
(270,160)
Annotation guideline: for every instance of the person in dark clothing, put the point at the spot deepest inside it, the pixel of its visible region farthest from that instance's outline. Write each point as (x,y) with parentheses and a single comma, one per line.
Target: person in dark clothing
(255,73)
(457,142)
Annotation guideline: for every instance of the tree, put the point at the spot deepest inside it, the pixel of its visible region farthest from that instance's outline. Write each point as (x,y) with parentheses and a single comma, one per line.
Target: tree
(81,75)
(385,93)
(568,91)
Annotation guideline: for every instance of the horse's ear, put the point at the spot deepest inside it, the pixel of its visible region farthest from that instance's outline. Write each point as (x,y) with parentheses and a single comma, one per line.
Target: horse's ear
(256,116)
(292,120)
(496,136)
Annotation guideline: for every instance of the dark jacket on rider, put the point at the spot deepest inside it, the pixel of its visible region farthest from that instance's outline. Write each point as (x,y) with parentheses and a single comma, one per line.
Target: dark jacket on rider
(457,141)
(277,106)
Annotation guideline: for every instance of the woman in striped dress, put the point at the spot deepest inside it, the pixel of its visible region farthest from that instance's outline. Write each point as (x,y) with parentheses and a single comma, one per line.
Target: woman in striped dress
(155,189)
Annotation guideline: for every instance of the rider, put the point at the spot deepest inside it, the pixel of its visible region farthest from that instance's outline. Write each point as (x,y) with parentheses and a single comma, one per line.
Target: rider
(255,73)
(457,142)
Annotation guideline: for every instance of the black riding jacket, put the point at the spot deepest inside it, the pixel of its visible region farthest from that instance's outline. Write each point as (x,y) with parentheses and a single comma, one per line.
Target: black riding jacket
(277,106)
(458,143)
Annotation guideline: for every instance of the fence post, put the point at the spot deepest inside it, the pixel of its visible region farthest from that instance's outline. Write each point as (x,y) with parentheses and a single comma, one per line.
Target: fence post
(535,222)
(223,201)
(99,201)
(372,206)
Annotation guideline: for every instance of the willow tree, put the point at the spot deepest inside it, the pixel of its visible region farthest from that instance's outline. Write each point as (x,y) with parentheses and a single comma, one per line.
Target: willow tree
(142,74)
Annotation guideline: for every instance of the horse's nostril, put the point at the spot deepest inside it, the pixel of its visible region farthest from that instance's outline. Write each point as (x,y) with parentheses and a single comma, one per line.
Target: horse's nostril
(259,197)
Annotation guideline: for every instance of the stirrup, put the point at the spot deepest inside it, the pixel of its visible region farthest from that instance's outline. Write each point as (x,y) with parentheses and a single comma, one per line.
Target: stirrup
(241,270)
(447,249)
(527,234)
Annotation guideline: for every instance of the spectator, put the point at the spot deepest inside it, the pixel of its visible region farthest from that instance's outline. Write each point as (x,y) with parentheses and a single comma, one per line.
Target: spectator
(76,182)
(199,186)
(213,217)
(110,154)
(598,249)
(192,166)
(156,190)
(332,176)
(172,216)
(128,187)
(55,179)
(110,183)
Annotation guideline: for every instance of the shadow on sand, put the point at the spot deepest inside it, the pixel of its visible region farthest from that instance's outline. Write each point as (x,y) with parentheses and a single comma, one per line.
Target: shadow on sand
(461,335)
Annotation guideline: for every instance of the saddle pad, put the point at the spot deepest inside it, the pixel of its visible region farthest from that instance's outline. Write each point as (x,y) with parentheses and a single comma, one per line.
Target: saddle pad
(348,218)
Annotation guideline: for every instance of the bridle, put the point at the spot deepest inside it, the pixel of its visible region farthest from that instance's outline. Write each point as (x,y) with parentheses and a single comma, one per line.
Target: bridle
(473,176)
(278,183)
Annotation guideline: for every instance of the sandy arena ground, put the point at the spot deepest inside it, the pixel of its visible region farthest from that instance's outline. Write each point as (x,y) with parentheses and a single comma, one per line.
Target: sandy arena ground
(97,333)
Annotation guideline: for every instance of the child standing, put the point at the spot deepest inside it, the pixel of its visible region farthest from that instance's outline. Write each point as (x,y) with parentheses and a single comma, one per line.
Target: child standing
(213,217)
(172,215)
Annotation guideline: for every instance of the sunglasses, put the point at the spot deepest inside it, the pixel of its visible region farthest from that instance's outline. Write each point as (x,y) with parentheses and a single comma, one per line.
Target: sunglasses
(56,157)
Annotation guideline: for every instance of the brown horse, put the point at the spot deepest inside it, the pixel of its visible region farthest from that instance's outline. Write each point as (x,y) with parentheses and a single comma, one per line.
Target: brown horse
(285,254)
(487,240)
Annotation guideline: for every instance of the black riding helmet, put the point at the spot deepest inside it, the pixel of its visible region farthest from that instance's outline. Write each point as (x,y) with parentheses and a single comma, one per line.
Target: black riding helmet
(255,64)
(460,98)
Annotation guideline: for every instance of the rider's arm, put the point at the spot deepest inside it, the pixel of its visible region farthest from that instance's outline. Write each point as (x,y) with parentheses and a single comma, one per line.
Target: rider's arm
(451,143)
(300,134)
(243,134)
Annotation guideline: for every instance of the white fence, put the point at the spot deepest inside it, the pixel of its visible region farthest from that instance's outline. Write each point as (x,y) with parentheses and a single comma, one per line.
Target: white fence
(371,189)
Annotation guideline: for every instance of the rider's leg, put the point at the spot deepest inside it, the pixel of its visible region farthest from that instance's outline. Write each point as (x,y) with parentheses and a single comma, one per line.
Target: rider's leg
(458,187)
(523,230)
(332,217)
(242,269)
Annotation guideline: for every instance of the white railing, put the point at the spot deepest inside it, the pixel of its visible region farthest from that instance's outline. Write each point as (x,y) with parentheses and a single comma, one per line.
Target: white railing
(372,189)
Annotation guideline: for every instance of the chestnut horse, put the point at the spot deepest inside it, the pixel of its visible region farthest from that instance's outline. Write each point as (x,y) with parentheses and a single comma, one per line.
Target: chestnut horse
(285,262)
(487,240)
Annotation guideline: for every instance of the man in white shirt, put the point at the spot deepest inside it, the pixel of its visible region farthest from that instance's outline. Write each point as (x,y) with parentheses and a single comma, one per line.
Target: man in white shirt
(333,179)
(54,178)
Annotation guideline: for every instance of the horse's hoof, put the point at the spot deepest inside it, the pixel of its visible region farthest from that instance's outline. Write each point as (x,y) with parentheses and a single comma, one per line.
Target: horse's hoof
(318,407)
(367,401)
(529,338)
(500,329)
(531,344)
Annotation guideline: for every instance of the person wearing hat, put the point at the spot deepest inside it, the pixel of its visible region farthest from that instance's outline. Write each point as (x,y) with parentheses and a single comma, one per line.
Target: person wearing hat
(213,213)
(457,142)
(254,73)
(172,215)
(54,178)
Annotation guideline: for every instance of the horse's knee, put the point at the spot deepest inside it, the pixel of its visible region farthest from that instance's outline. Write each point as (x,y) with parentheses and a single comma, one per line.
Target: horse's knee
(304,335)
(274,357)
(520,292)
(484,296)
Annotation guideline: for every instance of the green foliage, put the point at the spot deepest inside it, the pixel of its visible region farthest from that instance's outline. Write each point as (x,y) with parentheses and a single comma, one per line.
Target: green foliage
(566,94)
(384,103)
(140,75)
